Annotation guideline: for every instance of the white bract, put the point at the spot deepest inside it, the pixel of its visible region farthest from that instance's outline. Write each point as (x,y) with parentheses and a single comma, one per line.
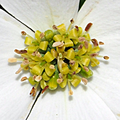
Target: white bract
(100,99)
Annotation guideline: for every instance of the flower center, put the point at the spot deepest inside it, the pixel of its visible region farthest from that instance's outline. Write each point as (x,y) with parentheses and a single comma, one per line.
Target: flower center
(59,57)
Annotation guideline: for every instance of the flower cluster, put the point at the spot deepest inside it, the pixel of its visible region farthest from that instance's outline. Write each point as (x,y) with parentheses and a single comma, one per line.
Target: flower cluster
(59,57)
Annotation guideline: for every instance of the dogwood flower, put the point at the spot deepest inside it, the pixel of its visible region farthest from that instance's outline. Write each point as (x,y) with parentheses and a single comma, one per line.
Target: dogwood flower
(100,99)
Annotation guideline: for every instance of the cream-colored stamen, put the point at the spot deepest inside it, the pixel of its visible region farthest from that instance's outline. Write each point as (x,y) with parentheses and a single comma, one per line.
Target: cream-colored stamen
(70,92)
(12,60)
(81,39)
(85,81)
(25,62)
(52,67)
(60,75)
(86,44)
(86,69)
(23,78)
(18,71)
(38,78)
(57,44)
(38,54)
(59,80)
(62,44)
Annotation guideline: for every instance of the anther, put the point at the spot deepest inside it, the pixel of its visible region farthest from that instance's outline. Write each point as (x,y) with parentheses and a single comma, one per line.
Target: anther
(59,80)
(101,43)
(18,71)
(88,26)
(52,67)
(81,39)
(54,27)
(76,27)
(34,76)
(57,44)
(12,60)
(95,42)
(34,53)
(72,62)
(25,62)
(85,81)
(70,92)
(25,58)
(106,57)
(42,35)
(20,51)
(46,87)
(24,78)
(86,44)
(94,54)
(60,75)
(23,33)
(38,78)
(33,92)
(74,73)
(80,47)
(86,69)
(72,20)
(62,44)
(38,54)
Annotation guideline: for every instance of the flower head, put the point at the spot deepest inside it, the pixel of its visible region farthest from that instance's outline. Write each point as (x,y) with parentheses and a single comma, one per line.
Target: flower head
(102,92)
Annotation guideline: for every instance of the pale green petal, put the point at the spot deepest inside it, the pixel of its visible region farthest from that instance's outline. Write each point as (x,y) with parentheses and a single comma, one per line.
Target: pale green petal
(42,14)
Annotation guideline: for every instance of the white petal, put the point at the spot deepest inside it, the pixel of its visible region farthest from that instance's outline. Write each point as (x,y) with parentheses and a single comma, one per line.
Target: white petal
(105,16)
(42,14)
(15,101)
(83,105)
